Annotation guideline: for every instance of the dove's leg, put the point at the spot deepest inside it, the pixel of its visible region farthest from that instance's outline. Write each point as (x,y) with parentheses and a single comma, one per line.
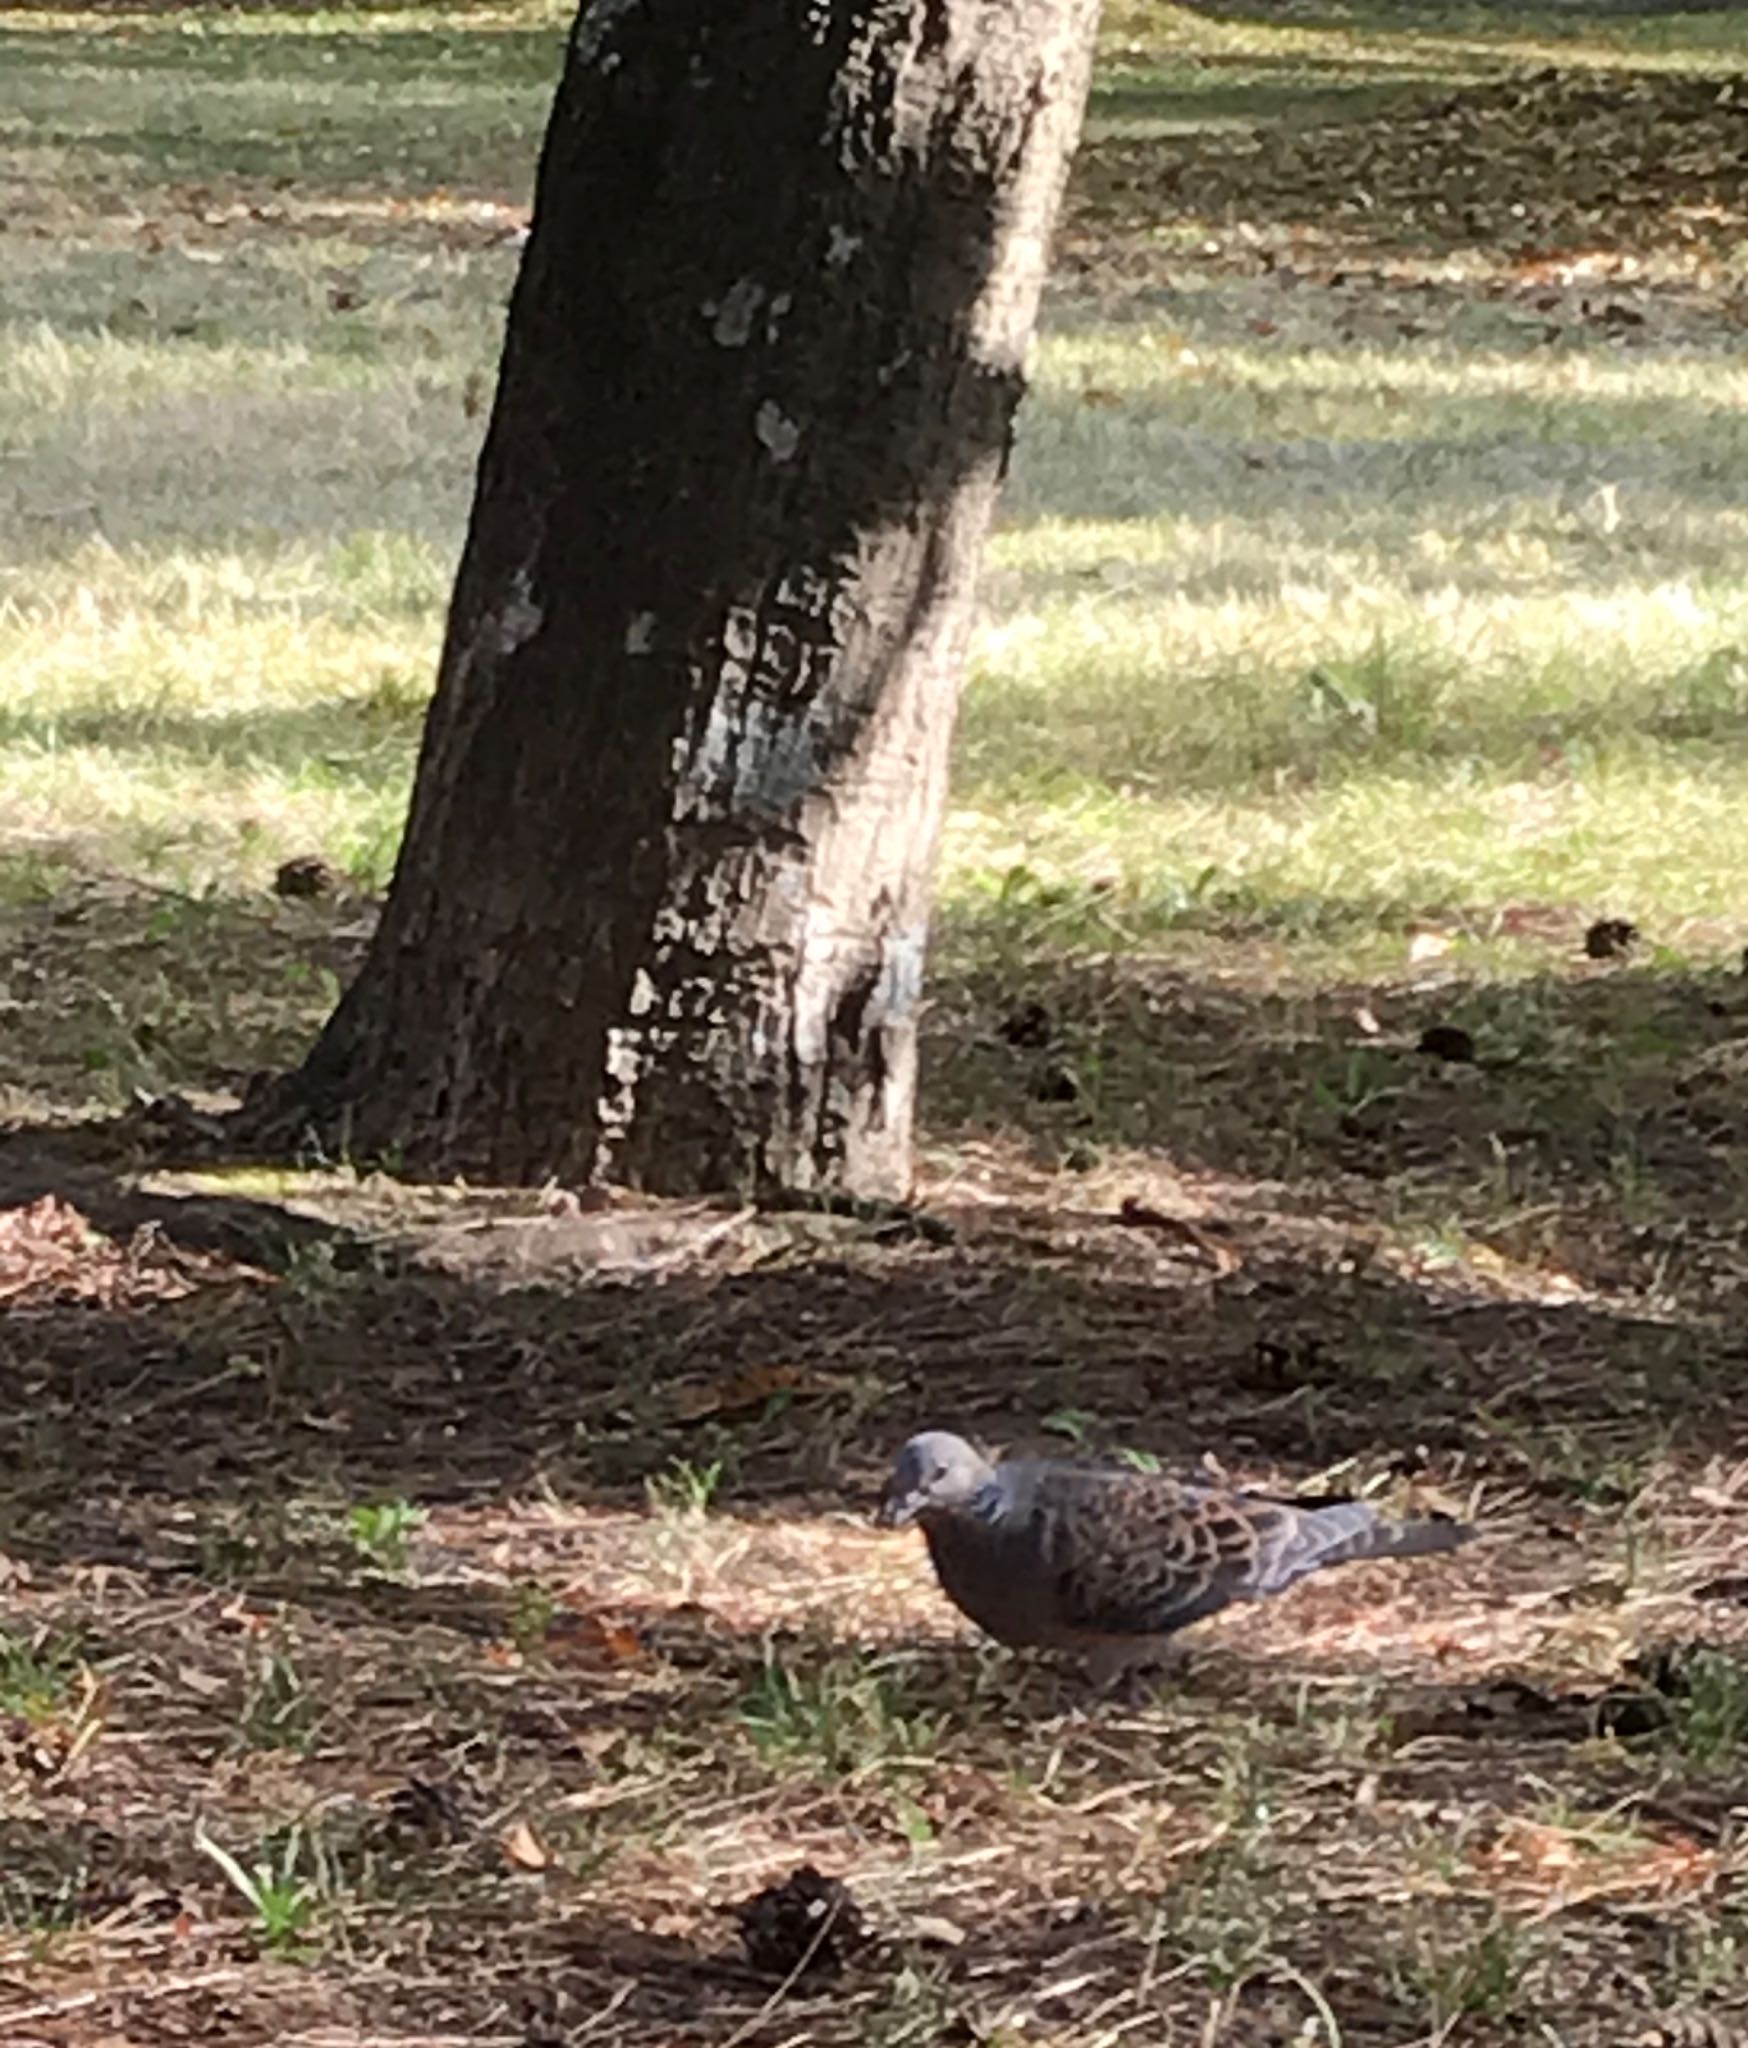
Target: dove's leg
(1117,1658)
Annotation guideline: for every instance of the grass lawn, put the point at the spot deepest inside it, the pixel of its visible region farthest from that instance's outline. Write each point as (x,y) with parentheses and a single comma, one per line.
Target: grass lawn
(426,1611)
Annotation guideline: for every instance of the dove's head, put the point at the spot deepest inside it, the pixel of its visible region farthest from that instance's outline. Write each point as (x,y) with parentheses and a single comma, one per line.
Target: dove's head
(936,1472)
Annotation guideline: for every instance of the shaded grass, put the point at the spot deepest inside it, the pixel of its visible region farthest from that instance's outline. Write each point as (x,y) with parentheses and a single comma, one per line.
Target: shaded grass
(123,111)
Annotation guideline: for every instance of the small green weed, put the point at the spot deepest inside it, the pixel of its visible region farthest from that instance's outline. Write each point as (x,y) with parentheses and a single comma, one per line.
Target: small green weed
(918,2010)
(1076,1424)
(382,1533)
(1711,1955)
(285,1888)
(313,1275)
(913,1823)
(36,1674)
(682,1489)
(842,1713)
(43,1904)
(1220,1919)
(532,1611)
(1244,1778)
(1591,1467)
(1710,1720)
(1484,1977)
(279,1711)
(1362,1079)
(236,1545)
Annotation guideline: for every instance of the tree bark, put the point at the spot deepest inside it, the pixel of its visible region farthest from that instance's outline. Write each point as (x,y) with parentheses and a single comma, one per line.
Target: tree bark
(660,912)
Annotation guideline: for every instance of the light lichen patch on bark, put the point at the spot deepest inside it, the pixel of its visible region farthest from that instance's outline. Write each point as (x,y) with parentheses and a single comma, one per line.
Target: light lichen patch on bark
(776,431)
(735,315)
(516,620)
(594,29)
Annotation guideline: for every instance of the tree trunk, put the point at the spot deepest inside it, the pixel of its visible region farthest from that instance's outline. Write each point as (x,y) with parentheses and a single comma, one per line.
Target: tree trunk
(660,912)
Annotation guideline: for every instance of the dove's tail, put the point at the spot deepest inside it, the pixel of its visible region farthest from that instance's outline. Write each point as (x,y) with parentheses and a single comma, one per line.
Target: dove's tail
(1345,1534)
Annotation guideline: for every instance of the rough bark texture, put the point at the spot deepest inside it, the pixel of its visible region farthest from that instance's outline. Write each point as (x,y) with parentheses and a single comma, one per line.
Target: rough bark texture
(660,912)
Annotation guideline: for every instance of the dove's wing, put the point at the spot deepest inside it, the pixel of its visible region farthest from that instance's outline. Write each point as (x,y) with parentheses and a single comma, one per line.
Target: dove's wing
(1137,1553)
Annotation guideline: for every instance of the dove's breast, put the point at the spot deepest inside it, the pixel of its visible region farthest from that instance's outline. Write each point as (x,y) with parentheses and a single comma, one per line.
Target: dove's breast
(996,1577)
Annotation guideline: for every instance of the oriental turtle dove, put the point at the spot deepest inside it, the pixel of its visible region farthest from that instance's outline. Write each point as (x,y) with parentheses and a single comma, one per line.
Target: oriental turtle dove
(1110,1562)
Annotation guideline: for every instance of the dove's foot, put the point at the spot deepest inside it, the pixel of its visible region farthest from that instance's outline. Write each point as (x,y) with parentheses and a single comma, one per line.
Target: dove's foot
(1130,1669)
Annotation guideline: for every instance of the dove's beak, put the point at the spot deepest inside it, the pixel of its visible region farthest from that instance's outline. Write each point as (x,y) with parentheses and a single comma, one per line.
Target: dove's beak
(897,1510)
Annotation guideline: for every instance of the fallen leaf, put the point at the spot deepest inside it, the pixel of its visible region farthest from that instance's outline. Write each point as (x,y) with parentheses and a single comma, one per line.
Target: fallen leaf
(524,1848)
(573,1631)
(937,1928)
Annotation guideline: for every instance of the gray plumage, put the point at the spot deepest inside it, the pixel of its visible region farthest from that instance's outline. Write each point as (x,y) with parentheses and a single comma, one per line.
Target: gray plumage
(1110,1561)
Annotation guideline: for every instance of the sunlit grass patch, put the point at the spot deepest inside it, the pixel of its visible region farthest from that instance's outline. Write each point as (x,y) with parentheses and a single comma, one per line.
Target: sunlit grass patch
(1330,645)
(839,1712)
(217,651)
(229,556)
(1347,870)
(208,758)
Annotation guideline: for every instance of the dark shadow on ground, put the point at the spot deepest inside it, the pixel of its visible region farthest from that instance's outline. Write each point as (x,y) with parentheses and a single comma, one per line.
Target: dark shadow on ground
(1597,1121)
(183,120)
(358,1374)
(118,988)
(1258,90)
(1595,1086)
(1488,166)
(1422,157)
(1117,456)
(1597,1124)
(163,1455)
(470,54)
